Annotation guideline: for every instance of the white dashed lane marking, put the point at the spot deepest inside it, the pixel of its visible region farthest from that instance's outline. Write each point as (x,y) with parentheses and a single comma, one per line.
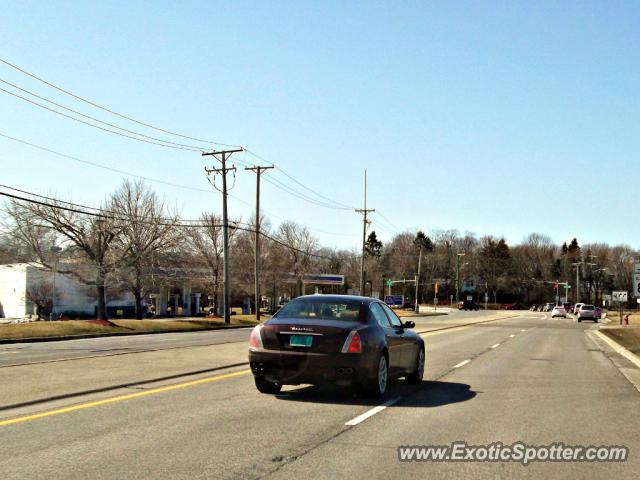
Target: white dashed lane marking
(372,412)
(461,364)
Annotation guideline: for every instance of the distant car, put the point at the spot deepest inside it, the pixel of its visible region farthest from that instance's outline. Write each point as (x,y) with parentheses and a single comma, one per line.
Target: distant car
(548,307)
(532,308)
(598,313)
(568,307)
(587,312)
(558,311)
(576,308)
(468,305)
(515,306)
(335,339)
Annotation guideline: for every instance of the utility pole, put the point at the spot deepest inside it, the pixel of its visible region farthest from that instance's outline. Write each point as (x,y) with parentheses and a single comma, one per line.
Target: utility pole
(224,155)
(417,308)
(365,212)
(458,255)
(258,171)
(577,265)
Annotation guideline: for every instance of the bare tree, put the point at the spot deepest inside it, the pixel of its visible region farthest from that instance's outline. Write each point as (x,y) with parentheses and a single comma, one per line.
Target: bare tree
(91,236)
(207,245)
(40,293)
(146,229)
(300,244)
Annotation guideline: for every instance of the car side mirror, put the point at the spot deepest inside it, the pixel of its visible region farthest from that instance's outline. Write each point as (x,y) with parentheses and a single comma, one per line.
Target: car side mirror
(408,324)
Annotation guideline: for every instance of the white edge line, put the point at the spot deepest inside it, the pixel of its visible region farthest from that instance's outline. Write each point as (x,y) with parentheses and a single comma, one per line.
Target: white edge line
(511,336)
(461,364)
(372,412)
(495,346)
(619,348)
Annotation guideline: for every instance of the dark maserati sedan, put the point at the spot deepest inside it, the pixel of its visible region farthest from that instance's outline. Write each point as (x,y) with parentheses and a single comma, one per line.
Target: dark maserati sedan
(335,339)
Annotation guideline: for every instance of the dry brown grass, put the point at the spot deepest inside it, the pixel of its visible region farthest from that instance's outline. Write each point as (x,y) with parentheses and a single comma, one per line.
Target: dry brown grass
(82,327)
(629,338)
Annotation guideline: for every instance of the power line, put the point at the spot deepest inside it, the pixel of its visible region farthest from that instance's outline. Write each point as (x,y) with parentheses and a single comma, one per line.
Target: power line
(104,167)
(86,207)
(145,178)
(98,120)
(97,126)
(126,117)
(389,222)
(278,184)
(151,140)
(281,170)
(178,225)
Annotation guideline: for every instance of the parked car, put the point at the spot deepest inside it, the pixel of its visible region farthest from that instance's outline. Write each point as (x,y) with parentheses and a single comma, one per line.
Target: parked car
(568,307)
(468,305)
(548,307)
(587,312)
(335,339)
(514,306)
(558,311)
(576,308)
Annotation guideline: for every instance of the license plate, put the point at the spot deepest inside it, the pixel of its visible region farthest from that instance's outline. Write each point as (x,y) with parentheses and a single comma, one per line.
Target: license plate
(300,340)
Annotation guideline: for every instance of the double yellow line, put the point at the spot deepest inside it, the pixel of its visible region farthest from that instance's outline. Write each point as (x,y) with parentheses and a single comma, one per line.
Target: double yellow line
(179,386)
(121,398)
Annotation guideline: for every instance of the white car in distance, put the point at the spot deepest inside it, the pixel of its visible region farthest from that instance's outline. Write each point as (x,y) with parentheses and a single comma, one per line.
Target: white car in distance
(558,311)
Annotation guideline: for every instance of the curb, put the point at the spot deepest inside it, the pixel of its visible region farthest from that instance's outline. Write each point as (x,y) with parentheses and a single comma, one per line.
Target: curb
(632,357)
(98,335)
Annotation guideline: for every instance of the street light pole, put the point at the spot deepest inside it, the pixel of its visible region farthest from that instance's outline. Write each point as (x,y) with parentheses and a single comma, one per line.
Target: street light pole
(458,255)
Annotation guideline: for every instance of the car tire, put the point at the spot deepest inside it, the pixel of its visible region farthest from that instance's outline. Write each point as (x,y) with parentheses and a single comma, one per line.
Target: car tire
(579,320)
(415,377)
(265,386)
(377,387)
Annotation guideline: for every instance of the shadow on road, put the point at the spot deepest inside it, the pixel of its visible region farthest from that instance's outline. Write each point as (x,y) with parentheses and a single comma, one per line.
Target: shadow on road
(428,394)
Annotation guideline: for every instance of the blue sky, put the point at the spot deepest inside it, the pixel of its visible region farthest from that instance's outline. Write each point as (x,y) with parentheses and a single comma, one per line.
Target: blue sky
(499,118)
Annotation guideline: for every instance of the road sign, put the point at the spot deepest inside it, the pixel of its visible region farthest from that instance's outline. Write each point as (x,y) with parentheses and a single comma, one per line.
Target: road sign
(394,300)
(636,285)
(567,287)
(619,296)
(313,278)
(389,283)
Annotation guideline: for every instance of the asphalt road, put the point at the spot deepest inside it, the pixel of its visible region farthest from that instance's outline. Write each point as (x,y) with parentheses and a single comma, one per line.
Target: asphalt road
(526,378)
(21,353)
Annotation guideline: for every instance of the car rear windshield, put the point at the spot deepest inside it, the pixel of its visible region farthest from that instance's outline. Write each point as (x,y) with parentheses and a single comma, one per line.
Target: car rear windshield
(586,307)
(319,308)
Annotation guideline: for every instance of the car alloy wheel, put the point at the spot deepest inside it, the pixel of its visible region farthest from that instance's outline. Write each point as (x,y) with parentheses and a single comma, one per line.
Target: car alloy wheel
(383,375)
(415,377)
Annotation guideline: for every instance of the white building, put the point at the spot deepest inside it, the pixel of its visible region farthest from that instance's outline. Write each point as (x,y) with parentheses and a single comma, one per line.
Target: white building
(22,283)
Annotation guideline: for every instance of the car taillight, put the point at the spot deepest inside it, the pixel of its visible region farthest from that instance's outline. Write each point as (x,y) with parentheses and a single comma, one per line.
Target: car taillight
(255,340)
(352,343)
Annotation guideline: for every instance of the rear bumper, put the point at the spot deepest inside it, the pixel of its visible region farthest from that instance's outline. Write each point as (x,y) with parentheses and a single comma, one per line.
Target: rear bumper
(293,368)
